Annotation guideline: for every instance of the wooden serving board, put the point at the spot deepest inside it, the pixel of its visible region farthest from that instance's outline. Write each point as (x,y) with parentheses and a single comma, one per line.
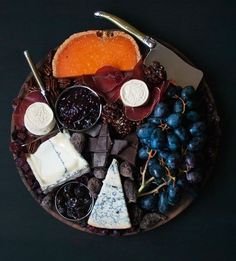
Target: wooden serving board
(212,148)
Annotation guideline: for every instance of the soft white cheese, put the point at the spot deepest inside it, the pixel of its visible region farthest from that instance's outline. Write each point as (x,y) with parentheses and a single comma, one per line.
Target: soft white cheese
(134,93)
(39,118)
(56,161)
(110,209)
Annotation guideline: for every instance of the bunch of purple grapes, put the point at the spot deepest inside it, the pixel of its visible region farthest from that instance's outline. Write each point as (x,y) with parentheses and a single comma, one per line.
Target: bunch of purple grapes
(177,132)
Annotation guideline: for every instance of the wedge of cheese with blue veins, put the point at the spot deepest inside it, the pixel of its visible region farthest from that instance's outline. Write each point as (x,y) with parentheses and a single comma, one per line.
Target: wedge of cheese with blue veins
(110,209)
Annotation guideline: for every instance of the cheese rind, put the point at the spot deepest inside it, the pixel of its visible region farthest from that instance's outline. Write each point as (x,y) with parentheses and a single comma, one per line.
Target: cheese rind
(56,161)
(110,209)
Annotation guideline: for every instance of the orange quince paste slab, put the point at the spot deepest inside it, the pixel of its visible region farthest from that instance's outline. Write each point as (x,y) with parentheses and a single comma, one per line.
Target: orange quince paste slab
(85,52)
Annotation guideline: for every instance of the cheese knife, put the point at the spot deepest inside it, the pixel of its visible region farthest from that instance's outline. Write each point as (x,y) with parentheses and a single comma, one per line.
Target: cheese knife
(179,71)
(41,87)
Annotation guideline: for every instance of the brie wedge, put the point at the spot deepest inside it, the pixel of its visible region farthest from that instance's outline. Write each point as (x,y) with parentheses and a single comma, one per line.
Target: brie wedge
(56,161)
(110,209)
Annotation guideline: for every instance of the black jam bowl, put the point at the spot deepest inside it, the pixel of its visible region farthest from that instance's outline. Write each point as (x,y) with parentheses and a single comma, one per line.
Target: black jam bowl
(67,93)
(59,199)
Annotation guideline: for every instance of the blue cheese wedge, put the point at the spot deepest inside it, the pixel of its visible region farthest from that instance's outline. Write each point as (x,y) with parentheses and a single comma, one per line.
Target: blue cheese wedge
(57,161)
(110,209)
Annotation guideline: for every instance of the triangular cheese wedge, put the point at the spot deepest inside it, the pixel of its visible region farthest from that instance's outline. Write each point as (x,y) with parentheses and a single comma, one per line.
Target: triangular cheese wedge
(110,209)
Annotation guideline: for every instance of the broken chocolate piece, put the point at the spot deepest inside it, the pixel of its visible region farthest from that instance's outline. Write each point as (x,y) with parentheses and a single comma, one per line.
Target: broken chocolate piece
(129,154)
(94,131)
(92,144)
(126,170)
(104,130)
(118,146)
(99,159)
(100,147)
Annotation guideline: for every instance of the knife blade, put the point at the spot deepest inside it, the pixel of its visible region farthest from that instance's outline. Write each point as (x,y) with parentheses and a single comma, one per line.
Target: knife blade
(178,71)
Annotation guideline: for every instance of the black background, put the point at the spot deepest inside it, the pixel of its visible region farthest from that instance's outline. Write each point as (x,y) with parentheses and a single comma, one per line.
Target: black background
(204,31)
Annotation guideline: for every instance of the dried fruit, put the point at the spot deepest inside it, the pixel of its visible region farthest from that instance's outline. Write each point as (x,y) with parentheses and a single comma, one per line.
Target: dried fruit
(99,173)
(126,170)
(150,220)
(155,73)
(113,114)
(136,214)
(130,190)
(94,186)
(15,148)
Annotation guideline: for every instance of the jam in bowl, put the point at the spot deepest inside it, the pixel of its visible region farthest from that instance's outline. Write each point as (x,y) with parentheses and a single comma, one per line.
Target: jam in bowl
(78,108)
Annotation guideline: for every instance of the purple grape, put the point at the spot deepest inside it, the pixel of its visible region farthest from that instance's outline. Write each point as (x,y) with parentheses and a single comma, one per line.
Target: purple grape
(191,160)
(174,120)
(194,176)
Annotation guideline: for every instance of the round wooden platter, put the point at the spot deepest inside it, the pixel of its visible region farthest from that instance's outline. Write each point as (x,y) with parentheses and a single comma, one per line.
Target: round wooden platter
(187,199)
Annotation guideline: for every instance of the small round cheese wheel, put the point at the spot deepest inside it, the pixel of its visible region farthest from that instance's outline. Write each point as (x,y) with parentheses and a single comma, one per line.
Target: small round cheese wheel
(39,118)
(134,93)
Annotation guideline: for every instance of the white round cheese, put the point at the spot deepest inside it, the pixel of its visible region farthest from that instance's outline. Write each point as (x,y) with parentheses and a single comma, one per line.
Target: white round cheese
(134,93)
(39,118)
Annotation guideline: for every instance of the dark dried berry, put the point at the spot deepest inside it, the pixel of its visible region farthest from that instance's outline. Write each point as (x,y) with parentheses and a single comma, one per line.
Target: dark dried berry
(68,188)
(71,202)
(21,135)
(113,114)
(155,73)
(126,170)
(25,168)
(61,209)
(136,214)
(94,185)
(80,191)
(71,213)
(15,148)
(20,162)
(99,173)
(130,191)
(150,220)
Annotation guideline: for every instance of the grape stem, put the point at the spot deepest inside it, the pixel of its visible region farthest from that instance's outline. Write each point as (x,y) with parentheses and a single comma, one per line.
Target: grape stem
(151,154)
(154,191)
(169,175)
(183,102)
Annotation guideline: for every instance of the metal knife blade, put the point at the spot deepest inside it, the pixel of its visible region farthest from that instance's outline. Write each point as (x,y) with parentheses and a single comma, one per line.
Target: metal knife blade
(179,71)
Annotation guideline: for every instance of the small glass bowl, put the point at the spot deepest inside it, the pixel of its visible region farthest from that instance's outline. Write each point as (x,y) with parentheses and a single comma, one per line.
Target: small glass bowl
(69,202)
(86,116)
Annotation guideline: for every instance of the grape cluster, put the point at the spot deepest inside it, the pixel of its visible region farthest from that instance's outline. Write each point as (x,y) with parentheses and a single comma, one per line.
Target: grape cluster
(176,133)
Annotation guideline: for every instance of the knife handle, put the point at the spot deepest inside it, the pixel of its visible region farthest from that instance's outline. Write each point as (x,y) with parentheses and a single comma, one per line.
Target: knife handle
(150,42)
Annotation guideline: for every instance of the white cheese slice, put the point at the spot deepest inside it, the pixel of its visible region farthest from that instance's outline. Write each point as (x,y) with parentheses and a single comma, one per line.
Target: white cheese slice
(39,118)
(134,93)
(110,209)
(56,161)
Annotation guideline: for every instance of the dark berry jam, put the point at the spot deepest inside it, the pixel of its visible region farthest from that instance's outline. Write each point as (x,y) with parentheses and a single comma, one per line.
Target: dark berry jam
(73,201)
(78,108)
